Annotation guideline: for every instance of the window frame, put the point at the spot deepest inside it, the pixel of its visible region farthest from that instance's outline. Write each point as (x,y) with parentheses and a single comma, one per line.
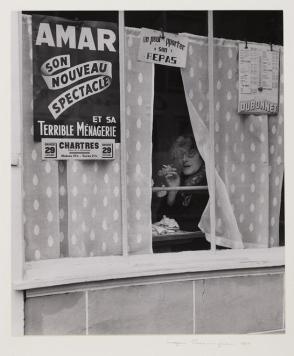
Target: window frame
(68,270)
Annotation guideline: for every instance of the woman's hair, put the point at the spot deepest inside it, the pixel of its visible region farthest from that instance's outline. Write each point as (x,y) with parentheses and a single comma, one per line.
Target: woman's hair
(184,142)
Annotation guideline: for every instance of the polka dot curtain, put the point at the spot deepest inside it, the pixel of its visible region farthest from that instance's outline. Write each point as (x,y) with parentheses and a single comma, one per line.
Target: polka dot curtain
(139,116)
(94,207)
(63,208)
(94,195)
(248,150)
(40,178)
(73,208)
(276,163)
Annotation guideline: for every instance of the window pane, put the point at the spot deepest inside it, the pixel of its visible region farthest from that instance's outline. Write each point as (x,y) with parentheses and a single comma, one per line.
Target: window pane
(176,162)
(71,208)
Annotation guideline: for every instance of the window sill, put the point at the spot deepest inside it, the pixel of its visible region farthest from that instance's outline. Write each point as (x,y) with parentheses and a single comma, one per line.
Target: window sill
(54,272)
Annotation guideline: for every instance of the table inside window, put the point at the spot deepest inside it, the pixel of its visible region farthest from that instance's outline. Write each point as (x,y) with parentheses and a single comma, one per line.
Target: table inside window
(178,241)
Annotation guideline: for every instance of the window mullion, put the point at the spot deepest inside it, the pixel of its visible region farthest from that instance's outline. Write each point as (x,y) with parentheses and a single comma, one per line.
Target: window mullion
(211,131)
(123,170)
(17,234)
(189,188)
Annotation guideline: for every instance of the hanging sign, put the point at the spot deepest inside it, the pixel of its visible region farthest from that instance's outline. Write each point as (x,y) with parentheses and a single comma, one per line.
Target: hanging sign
(75,86)
(163,48)
(258,80)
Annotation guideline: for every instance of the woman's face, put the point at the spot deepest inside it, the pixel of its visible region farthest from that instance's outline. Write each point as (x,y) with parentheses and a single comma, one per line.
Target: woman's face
(191,162)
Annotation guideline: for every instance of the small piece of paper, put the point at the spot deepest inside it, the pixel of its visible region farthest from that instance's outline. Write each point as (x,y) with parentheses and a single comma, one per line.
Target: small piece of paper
(258,80)
(163,48)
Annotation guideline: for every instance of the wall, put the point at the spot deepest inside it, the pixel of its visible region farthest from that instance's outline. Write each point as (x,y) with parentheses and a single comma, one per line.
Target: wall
(217,302)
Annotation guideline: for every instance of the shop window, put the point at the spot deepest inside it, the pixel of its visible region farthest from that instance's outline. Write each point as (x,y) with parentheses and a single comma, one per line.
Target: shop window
(73,217)
(74,208)
(177,165)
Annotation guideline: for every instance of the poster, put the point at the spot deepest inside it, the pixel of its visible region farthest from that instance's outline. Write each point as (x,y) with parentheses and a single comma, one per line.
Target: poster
(75,86)
(62,148)
(163,48)
(258,79)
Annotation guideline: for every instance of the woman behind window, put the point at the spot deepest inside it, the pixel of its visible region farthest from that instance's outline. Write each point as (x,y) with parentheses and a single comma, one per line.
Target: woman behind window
(187,169)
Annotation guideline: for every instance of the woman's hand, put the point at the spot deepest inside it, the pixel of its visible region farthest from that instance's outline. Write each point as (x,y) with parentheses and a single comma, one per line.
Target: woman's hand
(170,174)
(172,178)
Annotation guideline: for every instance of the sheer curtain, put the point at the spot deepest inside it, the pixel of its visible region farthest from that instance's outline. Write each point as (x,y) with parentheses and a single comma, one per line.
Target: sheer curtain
(73,208)
(248,150)
(40,178)
(139,123)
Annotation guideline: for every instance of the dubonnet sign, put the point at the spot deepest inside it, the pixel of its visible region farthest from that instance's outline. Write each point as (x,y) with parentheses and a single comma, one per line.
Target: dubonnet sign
(258,80)
(76,88)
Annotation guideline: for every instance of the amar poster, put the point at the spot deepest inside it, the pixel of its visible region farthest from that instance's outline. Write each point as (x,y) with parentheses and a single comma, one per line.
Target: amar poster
(75,79)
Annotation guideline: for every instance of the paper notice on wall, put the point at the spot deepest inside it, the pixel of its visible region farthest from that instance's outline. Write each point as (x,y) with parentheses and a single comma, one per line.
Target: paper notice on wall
(76,86)
(163,48)
(64,149)
(258,79)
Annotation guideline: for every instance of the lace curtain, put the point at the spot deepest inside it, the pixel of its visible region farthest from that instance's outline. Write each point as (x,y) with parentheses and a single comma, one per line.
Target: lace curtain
(73,208)
(248,150)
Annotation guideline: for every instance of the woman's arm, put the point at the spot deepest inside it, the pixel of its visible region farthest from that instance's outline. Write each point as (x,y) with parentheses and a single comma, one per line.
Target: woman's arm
(171,197)
(173,180)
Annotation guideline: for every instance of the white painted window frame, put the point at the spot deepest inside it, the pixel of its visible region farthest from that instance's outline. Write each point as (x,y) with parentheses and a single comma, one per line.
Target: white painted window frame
(63,271)
(17,242)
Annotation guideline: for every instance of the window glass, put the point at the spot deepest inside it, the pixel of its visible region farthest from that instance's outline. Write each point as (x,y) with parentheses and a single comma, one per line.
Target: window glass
(176,163)
(71,208)
(74,208)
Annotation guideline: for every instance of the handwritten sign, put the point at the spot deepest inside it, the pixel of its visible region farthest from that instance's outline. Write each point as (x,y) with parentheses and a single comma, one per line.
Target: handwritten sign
(258,79)
(163,48)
